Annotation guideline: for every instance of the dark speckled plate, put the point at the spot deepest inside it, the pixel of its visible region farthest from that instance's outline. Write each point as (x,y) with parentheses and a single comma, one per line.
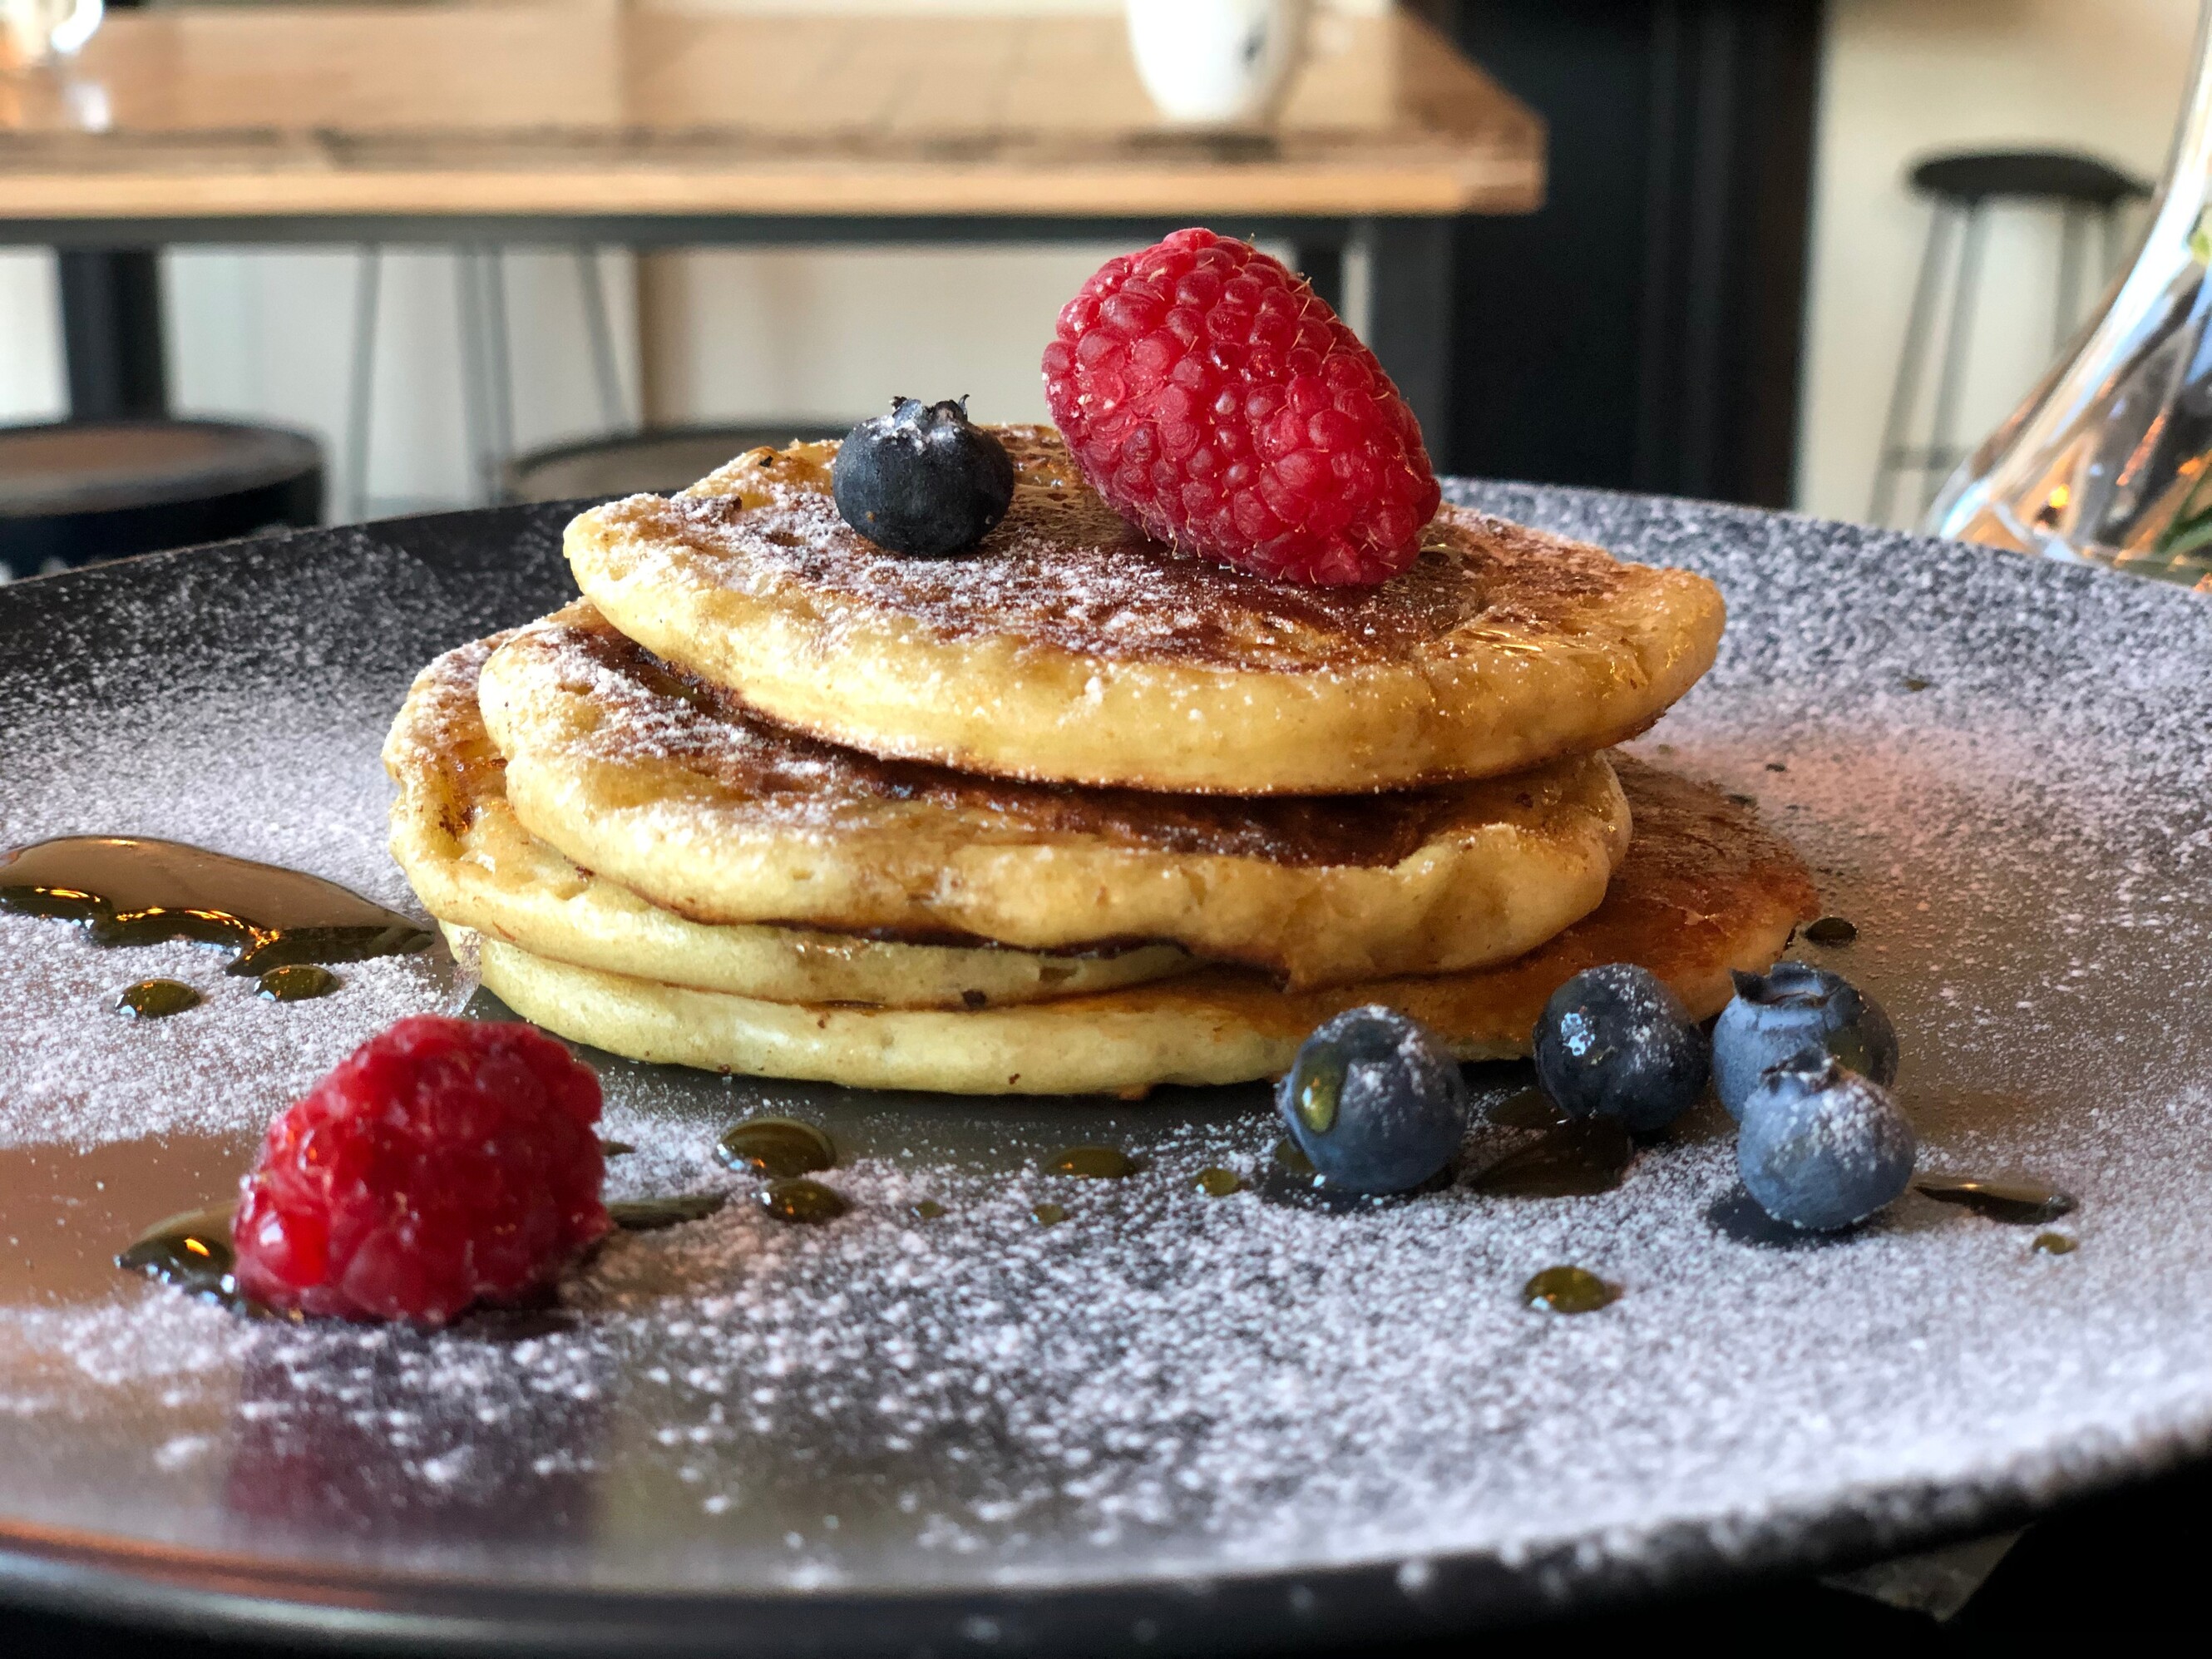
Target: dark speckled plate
(1171,1422)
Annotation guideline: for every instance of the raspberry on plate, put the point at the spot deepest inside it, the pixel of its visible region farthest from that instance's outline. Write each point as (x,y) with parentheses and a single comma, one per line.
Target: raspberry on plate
(1213,398)
(443,1163)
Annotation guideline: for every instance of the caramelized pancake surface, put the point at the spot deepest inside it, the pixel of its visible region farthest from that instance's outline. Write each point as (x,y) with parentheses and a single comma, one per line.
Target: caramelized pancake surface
(1068,648)
(663,783)
(1704,890)
(474,866)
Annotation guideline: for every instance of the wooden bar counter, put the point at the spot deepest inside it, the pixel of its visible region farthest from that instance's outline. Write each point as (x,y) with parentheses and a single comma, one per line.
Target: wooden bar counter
(660,123)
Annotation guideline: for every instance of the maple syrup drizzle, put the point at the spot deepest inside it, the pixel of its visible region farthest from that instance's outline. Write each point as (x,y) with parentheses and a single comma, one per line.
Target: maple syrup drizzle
(651,1215)
(2016,1203)
(1583,1156)
(132,890)
(1092,1163)
(801,1199)
(778,1147)
(157,998)
(1569,1290)
(303,981)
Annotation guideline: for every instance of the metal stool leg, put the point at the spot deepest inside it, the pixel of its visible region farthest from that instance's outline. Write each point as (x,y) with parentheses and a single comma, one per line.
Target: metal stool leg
(487,395)
(600,326)
(2069,300)
(361,395)
(1906,391)
(498,360)
(468,312)
(1958,338)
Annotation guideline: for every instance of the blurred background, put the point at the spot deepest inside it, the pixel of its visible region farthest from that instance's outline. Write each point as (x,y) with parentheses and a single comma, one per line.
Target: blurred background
(1713,299)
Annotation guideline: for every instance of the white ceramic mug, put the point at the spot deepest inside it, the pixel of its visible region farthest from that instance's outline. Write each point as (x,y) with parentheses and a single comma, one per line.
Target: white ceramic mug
(39,31)
(1218,63)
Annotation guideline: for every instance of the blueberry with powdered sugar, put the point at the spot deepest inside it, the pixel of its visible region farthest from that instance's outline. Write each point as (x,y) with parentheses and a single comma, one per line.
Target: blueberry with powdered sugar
(1616,1042)
(1794,1006)
(1822,1148)
(921,481)
(1374,1101)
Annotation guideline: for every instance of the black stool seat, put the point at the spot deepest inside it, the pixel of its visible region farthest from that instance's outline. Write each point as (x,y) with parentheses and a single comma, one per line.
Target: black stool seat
(659,460)
(2051,175)
(76,492)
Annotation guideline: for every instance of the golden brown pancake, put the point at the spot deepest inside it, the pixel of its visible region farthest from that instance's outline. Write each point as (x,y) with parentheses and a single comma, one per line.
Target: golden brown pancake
(664,783)
(473,865)
(1069,648)
(1704,890)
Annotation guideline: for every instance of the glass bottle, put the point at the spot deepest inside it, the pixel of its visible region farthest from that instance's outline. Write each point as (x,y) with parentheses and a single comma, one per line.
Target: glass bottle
(2109,460)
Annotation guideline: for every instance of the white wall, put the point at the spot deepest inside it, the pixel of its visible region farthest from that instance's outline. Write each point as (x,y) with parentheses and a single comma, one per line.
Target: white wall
(31,386)
(832,336)
(1903,77)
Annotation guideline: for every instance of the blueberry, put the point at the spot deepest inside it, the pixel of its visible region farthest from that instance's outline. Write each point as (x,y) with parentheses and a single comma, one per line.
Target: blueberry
(1822,1148)
(920,481)
(1374,1101)
(1615,1042)
(1795,1006)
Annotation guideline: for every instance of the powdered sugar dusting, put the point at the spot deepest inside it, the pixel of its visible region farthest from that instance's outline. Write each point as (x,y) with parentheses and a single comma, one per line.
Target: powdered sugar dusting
(1171,1384)
(1063,568)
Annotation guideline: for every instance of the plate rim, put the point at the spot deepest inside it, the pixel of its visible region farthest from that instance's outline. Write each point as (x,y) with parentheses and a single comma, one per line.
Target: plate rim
(103,1575)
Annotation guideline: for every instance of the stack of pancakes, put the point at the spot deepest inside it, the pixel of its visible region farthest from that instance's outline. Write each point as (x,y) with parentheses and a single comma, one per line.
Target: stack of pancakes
(1073,812)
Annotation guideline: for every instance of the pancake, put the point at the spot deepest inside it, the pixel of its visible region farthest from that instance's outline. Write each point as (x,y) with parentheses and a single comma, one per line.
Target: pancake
(1069,648)
(664,783)
(1704,890)
(473,864)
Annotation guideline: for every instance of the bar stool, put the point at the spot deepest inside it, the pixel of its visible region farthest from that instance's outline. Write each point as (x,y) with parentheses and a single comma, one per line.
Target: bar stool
(79,492)
(1962,187)
(661,460)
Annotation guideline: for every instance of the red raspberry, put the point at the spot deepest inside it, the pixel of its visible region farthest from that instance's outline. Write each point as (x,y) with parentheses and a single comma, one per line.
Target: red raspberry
(1213,398)
(443,1163)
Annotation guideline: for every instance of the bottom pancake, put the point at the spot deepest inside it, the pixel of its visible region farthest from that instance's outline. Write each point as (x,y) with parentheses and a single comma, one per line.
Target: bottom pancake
(1704,890)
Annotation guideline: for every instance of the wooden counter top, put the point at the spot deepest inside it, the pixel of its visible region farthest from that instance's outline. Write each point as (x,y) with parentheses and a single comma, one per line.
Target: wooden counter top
(588,108)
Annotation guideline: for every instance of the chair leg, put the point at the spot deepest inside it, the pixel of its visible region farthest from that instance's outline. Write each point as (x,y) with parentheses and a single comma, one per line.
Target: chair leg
(1906,391)
(600,326)
(1958,339)
(369,273)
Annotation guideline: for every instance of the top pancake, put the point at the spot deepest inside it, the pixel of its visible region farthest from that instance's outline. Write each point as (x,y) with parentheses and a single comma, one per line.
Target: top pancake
(1070,648)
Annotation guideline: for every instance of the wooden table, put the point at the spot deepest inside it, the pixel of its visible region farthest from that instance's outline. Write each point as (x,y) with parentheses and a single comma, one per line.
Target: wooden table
(658,124)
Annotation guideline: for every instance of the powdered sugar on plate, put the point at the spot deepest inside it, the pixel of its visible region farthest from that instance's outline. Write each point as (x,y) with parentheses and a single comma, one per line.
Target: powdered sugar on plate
(1999,770)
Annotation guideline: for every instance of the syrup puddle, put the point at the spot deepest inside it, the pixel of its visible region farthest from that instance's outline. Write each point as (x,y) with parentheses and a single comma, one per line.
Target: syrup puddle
(1582,1157)
(2016,1203)
(777,1147)
(126,890)
(67,1211)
